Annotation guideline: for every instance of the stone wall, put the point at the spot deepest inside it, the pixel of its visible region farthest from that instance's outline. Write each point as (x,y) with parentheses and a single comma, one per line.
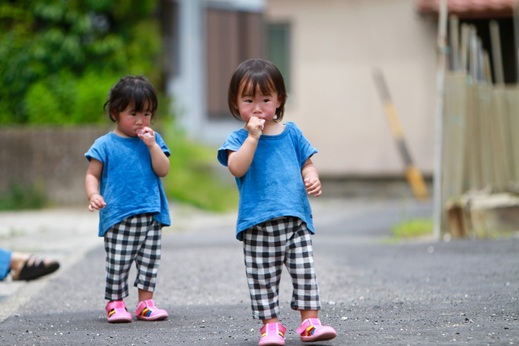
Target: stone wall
(51,158)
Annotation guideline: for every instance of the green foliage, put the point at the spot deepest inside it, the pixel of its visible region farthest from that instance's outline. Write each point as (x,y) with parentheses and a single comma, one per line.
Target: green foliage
(92,91)
(64,99)
(66,55)
(22,197)
(194,178)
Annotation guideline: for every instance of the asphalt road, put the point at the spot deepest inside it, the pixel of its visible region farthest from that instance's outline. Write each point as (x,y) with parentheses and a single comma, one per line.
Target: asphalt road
(375,291)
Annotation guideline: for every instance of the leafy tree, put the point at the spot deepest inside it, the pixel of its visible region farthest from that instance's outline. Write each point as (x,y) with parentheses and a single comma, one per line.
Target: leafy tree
(58,58)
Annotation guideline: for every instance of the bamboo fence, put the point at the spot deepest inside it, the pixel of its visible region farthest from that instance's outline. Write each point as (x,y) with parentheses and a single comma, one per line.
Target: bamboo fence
(480,142)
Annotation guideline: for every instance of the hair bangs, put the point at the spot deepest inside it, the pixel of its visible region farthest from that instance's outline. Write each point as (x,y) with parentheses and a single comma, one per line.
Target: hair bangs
(143,101)
(255,82)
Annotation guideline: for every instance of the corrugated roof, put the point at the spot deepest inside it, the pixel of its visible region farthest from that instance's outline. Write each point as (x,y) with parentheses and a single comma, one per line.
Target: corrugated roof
(471,8)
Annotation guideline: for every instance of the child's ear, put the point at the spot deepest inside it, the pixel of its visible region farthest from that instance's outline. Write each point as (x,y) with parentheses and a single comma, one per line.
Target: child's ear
(114,115)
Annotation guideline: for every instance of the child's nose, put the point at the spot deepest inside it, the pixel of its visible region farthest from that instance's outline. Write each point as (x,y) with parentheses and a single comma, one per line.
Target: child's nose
(141,119)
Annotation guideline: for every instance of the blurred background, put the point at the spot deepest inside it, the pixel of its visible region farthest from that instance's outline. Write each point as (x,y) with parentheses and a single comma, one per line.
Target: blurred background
(365,82)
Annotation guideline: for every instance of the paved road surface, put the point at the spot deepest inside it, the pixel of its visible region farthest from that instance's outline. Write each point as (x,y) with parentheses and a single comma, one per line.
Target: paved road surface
(374,291)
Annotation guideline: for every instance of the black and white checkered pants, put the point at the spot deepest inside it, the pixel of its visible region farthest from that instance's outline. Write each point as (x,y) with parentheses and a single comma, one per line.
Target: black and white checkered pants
(135,239)
(267,247)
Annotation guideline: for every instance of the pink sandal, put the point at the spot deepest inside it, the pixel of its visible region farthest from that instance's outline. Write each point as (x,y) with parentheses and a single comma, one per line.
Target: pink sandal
(312,330)
(147,311)
(116,312)
(272,334)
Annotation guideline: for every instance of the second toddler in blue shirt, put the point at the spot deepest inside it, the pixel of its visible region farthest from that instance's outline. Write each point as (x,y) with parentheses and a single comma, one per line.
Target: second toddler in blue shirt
(272,165)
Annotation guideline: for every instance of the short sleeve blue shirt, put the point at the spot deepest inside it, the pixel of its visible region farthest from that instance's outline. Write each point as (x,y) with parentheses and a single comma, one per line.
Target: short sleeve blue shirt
(273,186)
(129,185)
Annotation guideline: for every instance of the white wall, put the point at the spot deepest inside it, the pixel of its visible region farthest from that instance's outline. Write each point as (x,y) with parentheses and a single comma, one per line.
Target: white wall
(336,44)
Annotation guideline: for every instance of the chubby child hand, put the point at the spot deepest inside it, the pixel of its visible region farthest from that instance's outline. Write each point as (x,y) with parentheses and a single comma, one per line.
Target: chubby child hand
(147,135)
(96,202)
(313,186)
(255,126)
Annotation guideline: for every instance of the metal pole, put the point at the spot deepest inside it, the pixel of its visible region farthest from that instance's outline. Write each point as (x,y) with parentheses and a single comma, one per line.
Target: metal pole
(440,80)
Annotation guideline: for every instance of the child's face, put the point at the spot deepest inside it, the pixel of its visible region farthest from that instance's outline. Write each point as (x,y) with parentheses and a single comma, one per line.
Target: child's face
(257,105)
(129,121)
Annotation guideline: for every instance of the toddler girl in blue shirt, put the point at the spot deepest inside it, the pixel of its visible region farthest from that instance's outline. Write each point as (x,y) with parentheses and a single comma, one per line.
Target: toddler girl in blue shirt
(272,165)
(123,182)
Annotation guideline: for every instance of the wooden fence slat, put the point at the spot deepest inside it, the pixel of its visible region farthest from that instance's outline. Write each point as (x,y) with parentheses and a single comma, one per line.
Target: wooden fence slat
(512,102)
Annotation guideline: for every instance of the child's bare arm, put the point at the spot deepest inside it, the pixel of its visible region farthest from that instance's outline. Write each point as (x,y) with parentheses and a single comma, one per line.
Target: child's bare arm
(239,161)
(159,160)
(92,179)
(311,179)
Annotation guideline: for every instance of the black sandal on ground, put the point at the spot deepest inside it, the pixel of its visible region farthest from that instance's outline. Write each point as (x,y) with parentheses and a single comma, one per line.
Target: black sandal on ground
(34,268)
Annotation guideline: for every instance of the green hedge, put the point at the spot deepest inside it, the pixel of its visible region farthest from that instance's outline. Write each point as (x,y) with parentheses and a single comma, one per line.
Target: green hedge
(58,59)
(66,99)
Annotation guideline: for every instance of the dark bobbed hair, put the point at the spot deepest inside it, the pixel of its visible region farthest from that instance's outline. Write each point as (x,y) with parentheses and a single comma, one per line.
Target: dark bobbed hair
(131,91)
(254,74)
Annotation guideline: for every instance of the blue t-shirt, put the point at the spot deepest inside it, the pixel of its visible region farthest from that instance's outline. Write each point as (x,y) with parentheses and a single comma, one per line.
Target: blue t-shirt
(129,185)
(273,185)
(5,263)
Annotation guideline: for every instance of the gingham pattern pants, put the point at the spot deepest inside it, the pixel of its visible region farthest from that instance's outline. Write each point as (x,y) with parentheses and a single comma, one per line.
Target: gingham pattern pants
(135,239)
(269,246)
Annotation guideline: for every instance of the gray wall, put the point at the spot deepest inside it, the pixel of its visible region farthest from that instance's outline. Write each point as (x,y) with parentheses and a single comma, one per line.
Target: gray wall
(49,157)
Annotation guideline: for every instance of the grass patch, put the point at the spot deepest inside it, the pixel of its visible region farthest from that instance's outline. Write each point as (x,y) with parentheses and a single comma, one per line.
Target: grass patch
(413,228)
(20,197)
(194,177)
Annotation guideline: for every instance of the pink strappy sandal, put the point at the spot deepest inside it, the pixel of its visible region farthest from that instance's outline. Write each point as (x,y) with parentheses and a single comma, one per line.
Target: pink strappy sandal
(147,311)
(272,334)
(116,312)
(312,330)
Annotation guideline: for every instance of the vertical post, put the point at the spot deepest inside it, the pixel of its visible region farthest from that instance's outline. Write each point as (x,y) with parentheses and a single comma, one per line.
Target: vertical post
(454,40)
(473,54)
(496,53)
(413,174)
(465,31)
(516,36)
(440,80)
(187,88)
